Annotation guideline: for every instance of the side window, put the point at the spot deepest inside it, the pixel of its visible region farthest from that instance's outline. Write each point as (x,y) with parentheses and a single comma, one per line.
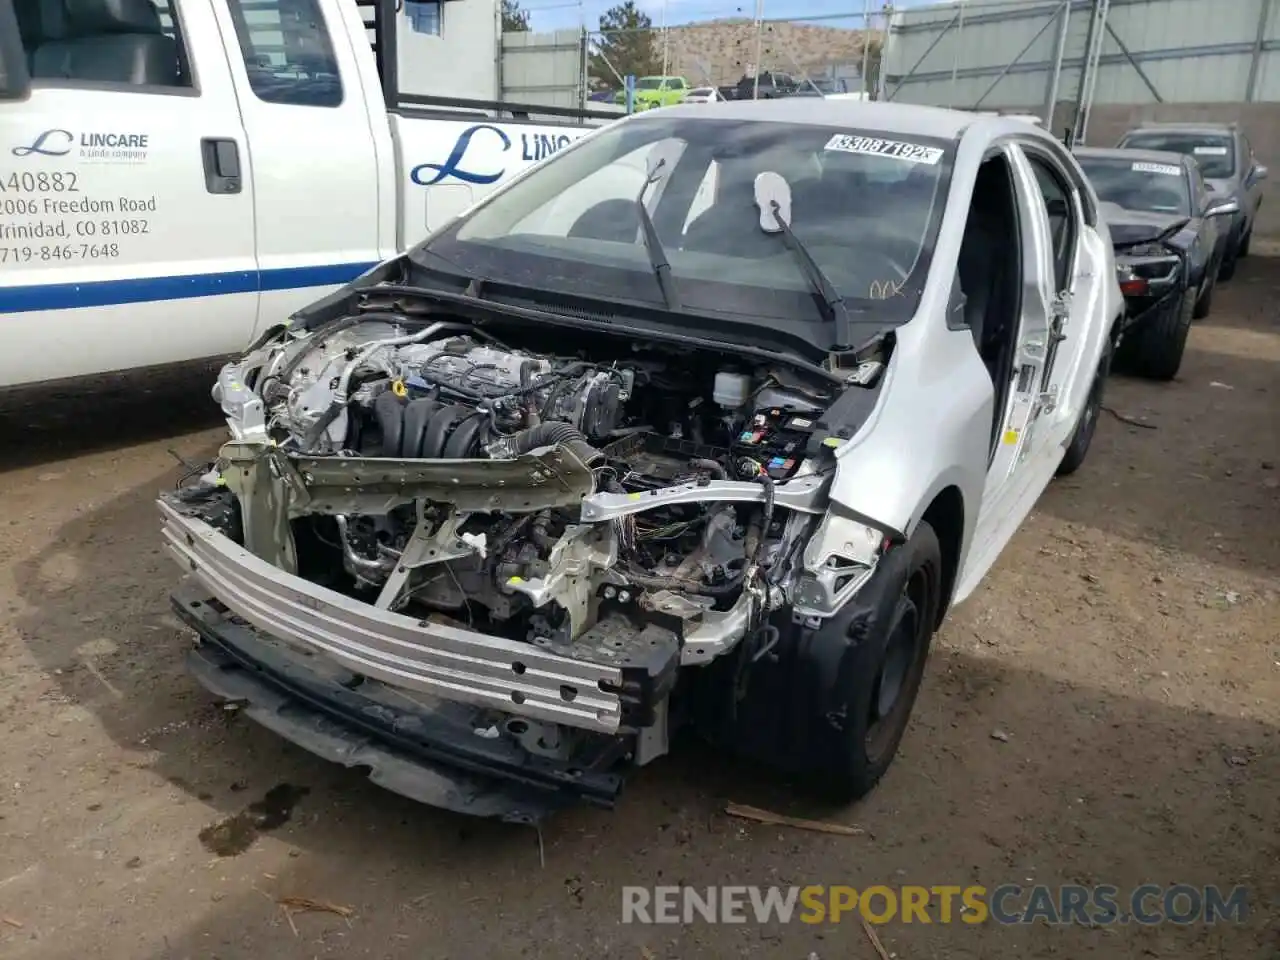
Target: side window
(287,52)
(424,16)
(677,84)
(1058,204)
(120,44)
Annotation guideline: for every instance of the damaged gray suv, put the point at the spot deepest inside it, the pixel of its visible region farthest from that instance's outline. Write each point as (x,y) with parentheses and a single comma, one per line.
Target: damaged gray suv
(703,423)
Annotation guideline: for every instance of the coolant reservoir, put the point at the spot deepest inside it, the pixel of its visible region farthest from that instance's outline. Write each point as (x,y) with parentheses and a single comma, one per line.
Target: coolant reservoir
(731,389)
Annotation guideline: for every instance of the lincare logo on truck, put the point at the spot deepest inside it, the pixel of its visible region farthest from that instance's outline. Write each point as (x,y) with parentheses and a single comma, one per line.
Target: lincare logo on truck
(88,146)
(482,153)
(58,209)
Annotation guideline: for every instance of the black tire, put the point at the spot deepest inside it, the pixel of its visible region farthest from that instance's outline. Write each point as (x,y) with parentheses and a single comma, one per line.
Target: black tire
(885,669)
(1155,351)
(1205,303)
(1227,269)
(1082,436)
(1244,245)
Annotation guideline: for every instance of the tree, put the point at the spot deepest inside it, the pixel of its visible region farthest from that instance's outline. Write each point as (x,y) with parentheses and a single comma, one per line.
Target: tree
(515,19)
(625,45)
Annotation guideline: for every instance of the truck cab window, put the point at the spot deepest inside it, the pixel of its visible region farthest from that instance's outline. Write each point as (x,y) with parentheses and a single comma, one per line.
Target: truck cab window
(116,43)
(287,52)
(424,16)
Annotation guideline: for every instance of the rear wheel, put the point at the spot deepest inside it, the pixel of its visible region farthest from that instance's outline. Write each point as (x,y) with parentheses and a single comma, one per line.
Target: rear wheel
(1155,351)
(1078,448)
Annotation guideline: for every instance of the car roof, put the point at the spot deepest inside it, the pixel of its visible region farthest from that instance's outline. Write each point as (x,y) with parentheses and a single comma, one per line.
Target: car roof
(1125,153)
(1219,129)
(903,119)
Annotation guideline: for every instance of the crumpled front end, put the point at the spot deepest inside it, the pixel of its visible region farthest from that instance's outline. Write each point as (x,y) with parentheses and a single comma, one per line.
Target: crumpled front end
(1153,275)
(484,572)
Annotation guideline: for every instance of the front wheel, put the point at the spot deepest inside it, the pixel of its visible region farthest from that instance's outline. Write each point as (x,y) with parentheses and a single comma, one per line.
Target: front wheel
(882,674)
(1155,351)
(1205,303)
(1227,269)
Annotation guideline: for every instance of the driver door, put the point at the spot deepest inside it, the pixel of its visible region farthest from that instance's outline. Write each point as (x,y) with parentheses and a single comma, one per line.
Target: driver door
(1050,218)
(1040,316)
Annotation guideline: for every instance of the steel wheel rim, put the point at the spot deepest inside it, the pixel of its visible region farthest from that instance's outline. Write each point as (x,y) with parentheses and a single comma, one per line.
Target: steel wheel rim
(891,693)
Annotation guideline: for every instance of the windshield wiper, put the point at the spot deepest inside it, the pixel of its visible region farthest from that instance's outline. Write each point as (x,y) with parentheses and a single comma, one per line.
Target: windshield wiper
(833,307)
(653,246)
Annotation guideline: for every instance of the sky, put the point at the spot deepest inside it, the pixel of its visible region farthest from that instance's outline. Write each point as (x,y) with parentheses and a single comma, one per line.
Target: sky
(559,14)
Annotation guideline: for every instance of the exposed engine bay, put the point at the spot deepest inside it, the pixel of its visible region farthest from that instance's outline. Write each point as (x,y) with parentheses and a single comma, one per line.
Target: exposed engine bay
(547,536)
(642,422)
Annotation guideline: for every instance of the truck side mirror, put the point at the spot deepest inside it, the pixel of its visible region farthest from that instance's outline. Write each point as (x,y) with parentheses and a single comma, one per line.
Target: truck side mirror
(1260,171)
(15,81)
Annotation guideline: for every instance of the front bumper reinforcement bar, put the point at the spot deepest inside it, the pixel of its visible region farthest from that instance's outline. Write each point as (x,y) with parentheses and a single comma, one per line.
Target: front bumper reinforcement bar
(448,662)
(431,755)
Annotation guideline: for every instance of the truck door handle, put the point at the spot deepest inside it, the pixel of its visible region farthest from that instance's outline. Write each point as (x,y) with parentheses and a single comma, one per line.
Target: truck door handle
(221,164)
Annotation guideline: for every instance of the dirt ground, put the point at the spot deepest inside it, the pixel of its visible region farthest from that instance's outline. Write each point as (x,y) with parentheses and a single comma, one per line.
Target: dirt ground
(1104,710)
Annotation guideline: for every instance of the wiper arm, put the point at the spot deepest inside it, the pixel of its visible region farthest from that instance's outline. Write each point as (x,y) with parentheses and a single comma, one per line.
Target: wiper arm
(657,258)
(653,246)
(833,308)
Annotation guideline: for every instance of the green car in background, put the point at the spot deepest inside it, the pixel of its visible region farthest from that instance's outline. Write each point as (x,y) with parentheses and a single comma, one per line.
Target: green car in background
(655,92)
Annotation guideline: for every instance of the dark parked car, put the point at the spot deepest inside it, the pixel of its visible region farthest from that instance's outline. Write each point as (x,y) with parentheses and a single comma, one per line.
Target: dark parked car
(821,87)
(771,86)
(1169,241)
(1231,170)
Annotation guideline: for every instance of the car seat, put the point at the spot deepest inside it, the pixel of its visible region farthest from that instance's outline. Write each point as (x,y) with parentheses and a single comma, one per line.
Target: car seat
(731,225)
(615,220)
(111,41)
(1162,199)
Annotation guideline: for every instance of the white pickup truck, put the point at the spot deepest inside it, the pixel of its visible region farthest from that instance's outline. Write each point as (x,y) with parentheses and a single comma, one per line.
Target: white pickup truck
(175,178)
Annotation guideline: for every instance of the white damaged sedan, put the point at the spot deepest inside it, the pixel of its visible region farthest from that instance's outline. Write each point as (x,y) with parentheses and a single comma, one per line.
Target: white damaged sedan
(705,422)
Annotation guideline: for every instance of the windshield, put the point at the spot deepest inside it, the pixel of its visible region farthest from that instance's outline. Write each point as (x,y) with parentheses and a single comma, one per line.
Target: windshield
(649,83)
(1215,154)
(1139,184)
(866,207)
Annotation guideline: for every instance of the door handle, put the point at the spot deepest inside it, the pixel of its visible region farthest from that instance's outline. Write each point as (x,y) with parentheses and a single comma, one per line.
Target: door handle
(221,157)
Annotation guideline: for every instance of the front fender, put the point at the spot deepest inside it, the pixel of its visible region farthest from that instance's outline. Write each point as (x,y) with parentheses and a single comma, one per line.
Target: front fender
(930,430)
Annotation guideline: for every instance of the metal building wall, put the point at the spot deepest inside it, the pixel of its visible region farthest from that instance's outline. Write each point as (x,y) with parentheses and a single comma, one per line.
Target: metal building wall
(547,69)
(1007,52)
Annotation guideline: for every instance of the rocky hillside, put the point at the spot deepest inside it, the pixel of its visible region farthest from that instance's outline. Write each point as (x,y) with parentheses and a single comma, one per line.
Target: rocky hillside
(719,51)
